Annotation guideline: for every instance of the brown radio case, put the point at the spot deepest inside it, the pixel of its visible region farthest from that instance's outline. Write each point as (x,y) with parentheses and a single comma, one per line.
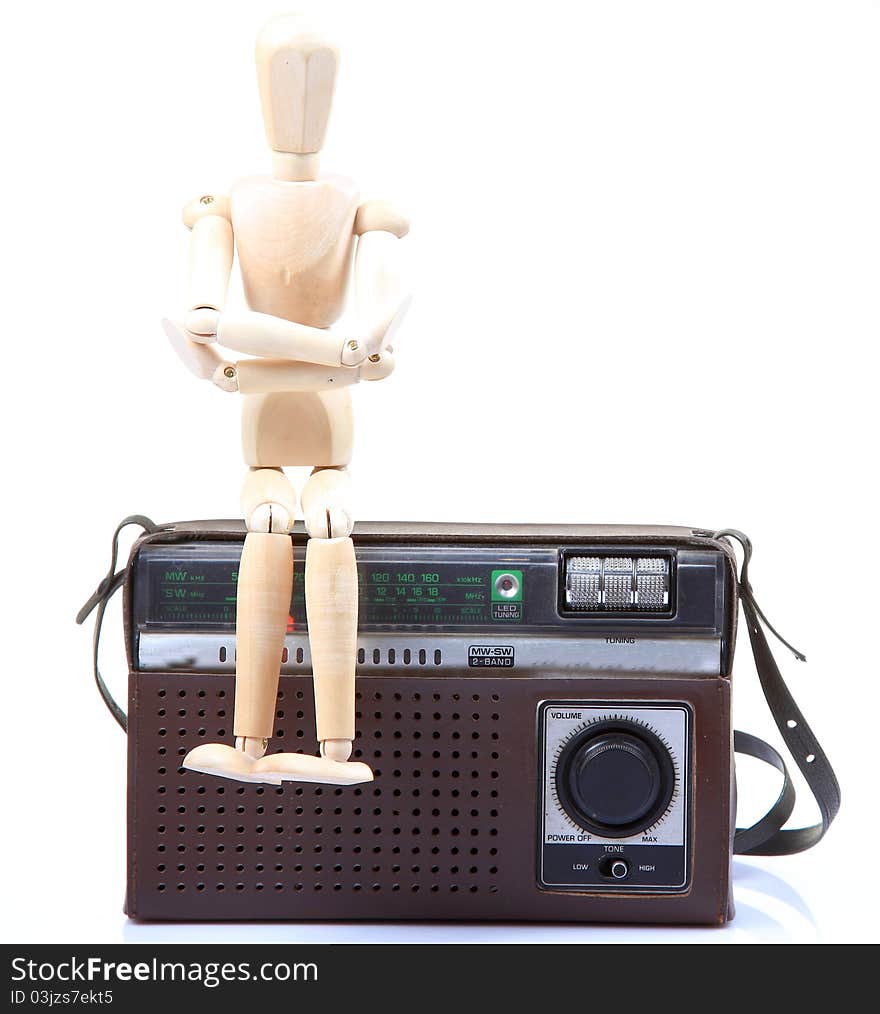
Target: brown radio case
(448,828)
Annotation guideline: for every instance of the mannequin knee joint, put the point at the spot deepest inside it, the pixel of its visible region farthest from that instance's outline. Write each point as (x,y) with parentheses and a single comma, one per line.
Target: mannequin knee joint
(328,523)
(269,517)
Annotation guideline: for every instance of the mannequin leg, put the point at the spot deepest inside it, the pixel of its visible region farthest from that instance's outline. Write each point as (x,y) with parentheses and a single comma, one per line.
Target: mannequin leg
(331,605)
(265,582)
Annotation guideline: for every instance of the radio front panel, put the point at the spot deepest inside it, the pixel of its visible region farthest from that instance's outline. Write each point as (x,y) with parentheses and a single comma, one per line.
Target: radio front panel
(457,824)
(494,606)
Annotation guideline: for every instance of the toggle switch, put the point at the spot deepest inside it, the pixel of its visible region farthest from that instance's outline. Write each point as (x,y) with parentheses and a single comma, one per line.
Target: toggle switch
(614,868)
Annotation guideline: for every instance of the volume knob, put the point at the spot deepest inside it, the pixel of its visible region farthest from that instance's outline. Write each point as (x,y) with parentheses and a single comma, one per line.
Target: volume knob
(615,778)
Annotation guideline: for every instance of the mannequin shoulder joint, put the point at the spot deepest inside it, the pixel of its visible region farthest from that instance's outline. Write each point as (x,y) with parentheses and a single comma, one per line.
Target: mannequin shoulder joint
(379,216)
(204,205)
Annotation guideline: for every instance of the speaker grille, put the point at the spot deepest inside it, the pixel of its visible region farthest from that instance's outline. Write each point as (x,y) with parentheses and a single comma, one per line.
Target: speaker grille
(451,837)
(427,825)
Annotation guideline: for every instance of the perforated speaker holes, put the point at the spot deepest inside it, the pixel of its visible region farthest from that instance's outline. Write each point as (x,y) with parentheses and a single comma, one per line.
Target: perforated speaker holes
(428,823)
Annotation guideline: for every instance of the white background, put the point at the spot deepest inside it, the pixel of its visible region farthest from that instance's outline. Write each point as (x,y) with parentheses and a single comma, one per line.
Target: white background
(645,245)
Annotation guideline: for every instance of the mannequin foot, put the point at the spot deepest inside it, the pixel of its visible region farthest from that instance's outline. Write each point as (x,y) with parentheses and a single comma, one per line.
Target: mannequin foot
(300,767)
(227,762)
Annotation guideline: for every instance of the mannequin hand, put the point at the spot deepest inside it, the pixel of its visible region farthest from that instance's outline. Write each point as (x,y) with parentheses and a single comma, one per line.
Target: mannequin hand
(201,324)
(378,366)
(202,360)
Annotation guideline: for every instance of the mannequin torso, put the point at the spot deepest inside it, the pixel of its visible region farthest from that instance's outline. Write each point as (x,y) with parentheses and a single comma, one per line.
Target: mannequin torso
(295,242)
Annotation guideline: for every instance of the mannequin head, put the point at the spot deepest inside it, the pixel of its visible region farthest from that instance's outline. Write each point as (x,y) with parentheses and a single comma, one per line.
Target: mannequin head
(296,72)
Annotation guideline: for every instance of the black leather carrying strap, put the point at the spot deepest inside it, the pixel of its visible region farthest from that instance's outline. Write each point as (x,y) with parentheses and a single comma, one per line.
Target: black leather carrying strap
(767,837)
(107,588)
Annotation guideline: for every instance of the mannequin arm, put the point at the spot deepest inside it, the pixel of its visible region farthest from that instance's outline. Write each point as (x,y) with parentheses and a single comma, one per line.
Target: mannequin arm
(263,376)
(260,334)
(255,376)
(203,361)
(210,263)
(379,289)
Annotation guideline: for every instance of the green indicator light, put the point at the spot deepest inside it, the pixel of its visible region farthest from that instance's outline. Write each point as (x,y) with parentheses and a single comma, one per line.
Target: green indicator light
(507,586)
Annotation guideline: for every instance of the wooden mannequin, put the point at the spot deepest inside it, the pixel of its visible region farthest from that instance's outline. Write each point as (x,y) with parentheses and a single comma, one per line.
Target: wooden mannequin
(296,232)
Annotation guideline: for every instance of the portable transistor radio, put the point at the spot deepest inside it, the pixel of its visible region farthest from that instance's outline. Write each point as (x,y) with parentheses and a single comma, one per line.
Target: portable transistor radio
(546,711)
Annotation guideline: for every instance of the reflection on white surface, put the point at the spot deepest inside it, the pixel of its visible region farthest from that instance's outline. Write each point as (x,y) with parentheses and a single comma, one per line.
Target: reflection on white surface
(768,909)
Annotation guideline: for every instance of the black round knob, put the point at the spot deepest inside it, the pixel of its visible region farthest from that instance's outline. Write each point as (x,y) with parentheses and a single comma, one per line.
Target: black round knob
(615,778)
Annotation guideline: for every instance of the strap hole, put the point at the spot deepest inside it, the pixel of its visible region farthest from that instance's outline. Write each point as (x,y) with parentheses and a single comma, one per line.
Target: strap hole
(810,758)
(791,723)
